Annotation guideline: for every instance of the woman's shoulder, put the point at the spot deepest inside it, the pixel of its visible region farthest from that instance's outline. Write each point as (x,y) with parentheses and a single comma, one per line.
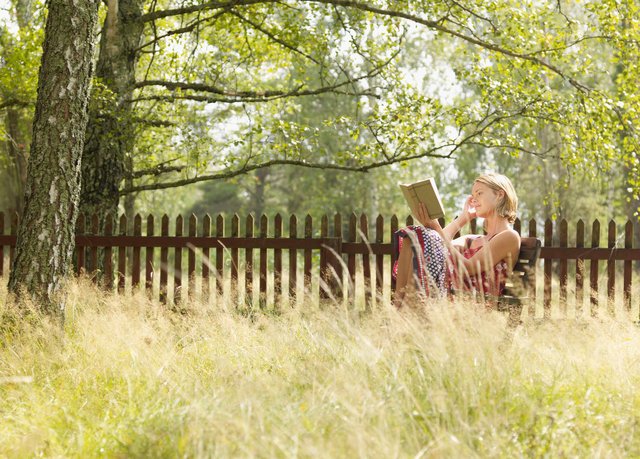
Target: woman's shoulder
(509,236)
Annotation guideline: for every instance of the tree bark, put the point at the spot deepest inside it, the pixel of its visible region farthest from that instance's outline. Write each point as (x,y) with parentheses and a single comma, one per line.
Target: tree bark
(46,236)
(110,134)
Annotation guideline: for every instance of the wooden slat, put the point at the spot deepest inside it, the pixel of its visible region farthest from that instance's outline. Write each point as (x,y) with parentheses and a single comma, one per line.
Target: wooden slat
(324,273)
(277,263)
(533,231)
(80,249)
(366,262)
(308,234)
(235,227)
(122,255)
(108,255)
(248,261)
(628,244)
(164,261)
(580,268)
(1,245)
(394,256)
(337,262)
(177,264)
(219,258)
(135,264)
(611,269)
(593,269)
(206,259)
(95,229)
(548,242)
(351,258)
(293,261)
(191,257)
(563,267)
(517,226)
(379,238)
(473,226)
(148,265)
(264,229)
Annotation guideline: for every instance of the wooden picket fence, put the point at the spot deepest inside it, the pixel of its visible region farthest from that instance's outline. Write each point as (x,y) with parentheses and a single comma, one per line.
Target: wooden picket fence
(341,260)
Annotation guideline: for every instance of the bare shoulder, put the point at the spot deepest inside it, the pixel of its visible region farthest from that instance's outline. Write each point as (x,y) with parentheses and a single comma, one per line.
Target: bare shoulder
(509,238)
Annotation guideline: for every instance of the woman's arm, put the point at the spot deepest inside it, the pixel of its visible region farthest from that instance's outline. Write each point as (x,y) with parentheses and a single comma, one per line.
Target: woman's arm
(504,246)
(449,231)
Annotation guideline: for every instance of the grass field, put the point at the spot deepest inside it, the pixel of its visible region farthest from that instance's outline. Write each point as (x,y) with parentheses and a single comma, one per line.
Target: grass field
(127,378)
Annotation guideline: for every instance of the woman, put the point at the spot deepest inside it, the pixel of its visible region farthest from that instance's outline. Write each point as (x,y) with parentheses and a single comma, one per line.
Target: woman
(469,263)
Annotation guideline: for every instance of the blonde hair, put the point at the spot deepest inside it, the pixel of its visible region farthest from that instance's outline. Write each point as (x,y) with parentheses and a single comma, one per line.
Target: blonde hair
(508,205)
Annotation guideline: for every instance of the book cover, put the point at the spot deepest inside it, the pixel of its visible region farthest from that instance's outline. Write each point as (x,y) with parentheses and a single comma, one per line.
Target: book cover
(424,191)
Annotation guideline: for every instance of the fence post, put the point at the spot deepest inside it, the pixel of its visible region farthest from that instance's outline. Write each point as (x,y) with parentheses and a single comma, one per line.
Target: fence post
(122,255)
(336,262)
(580,268)
(308,234)
(324,271)
(392,232)
(379,259)
(95,230)
(148,268)
(593,267)
(206,260)
(177,263)
(277,264)
(219,259)
(135,269)
(533,231)
(1,246)
(628,244)
(351,258)
(248,261)
(264,229)
(235,225)
(191,256)
(164,260)
(611,269)
(80,249)
(366,262)
(293,262)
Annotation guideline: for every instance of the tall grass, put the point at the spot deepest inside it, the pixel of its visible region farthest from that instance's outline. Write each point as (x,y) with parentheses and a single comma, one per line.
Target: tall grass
(128,378)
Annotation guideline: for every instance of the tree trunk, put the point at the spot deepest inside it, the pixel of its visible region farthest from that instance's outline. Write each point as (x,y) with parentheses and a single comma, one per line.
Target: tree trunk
(110,133)
(46,236)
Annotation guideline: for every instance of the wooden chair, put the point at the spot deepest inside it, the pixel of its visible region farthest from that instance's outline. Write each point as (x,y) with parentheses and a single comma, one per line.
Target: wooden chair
(518,286)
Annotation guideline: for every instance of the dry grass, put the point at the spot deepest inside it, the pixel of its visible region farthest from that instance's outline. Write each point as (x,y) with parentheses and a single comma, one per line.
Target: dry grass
(127,378)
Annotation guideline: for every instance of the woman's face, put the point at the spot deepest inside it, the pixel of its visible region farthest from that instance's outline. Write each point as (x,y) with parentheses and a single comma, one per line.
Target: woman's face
(485,199)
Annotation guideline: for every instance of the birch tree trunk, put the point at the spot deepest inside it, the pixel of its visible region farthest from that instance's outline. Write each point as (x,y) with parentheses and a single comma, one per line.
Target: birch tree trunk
(46,236)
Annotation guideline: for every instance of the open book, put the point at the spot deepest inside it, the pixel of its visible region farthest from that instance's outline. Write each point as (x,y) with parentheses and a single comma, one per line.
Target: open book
(424,191)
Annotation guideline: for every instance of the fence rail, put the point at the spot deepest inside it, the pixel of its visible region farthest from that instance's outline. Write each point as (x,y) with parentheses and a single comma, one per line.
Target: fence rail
(338,260)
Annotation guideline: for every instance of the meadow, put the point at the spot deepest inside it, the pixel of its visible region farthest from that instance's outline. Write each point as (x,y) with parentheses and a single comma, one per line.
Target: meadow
(128,377)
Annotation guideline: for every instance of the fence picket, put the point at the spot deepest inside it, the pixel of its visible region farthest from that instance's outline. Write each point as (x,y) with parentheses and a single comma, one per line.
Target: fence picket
(379,238)
(148,265)
(122,255)
(593,267)
(293,262)
(324,274)
(219,259)
(366,263)
(235,226)
(611,269)
(95,230)
(191,257)
(351,258)
(177,263)
(135,264)
(108,255)
(392,232)
(277,263)
(164,260)
(628,243)
(533,232)
(337,273)
(308,234)
(206,259)
(80,249)
(248,261)
(580,268)
(264,229)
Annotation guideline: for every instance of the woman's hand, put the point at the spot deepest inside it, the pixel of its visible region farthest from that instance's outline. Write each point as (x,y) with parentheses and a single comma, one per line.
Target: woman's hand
(468,211)
(425,220)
